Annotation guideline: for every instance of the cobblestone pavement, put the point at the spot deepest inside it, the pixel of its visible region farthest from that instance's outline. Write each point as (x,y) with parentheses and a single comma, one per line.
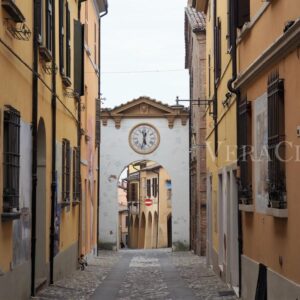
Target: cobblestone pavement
(141,274)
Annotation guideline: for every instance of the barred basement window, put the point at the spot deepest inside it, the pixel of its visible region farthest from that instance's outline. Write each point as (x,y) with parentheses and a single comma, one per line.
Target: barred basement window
(11,159)
(76,173)
(244,152)
(66,166)
(148,188)
(276,135)
(154,187)
(49,25)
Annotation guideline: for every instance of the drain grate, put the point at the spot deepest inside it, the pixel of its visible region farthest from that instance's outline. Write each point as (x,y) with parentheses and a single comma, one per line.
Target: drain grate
(226,293)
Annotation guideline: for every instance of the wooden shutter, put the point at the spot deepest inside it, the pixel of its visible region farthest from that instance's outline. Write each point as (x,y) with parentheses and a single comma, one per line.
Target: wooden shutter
(49,25)
(61,37)
(68,41)
(243,12)
(276,135)
(244,132)
(78,58)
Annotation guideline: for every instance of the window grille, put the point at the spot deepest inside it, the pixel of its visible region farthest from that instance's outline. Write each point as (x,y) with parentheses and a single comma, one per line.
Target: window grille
(66,170)
(76,173)
(11,159)
(276,135)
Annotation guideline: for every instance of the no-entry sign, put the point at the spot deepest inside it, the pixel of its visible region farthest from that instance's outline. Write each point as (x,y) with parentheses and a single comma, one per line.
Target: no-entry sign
(148,202)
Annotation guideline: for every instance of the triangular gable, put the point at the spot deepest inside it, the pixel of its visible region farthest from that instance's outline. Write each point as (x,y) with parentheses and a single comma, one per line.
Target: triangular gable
(144,107)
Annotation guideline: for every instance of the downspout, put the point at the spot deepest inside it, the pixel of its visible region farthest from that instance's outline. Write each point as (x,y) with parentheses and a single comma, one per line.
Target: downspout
(78,99)
(232,89)
(99,97)
(190,171)
(36,6)
(215,107)
(53,147)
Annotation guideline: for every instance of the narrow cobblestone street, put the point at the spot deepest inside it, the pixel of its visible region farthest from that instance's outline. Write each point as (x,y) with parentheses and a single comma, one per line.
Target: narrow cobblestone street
(141,274)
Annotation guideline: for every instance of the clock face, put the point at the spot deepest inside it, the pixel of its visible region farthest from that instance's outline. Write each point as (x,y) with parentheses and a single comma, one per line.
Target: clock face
(144,138)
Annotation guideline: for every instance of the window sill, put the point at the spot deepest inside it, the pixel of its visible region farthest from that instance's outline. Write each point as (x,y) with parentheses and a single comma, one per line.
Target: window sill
(8,216)
(12,9)
(246,207)
(45,54)
(75,202)
(66,81)
(278,212)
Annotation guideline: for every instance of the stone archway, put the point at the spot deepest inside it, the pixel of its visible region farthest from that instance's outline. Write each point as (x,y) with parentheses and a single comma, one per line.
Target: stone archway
(117,152)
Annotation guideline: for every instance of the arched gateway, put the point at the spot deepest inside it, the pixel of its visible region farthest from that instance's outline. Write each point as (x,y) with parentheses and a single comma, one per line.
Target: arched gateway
(144,129)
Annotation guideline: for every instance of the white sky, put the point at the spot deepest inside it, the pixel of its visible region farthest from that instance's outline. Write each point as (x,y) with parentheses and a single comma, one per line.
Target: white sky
(143,35)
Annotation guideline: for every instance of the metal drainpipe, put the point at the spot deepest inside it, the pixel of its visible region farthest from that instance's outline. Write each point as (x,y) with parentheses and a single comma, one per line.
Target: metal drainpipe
(79,146)
(233,35)
(36,10)
(190,171)
(99,97)
(53,146)
(215,108)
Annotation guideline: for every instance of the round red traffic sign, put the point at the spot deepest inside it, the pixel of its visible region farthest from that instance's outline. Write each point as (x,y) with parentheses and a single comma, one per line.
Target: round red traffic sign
(148,202)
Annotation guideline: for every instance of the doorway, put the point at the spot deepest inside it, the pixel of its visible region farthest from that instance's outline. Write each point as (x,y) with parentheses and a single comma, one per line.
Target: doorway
(40,263)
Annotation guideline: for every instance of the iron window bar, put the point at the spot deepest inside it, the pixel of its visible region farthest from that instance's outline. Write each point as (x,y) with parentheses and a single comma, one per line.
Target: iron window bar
(19,31)
(48,69)
(11,155)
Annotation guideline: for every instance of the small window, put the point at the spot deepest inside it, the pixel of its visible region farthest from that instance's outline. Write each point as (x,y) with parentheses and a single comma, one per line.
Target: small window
(11,159)
(66,166)
(126,221)
(154,187)
(148,188)
(133,192)
(243,12)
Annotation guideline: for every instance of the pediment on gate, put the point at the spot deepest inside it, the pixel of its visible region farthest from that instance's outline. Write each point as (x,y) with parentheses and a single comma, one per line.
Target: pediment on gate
(145,107)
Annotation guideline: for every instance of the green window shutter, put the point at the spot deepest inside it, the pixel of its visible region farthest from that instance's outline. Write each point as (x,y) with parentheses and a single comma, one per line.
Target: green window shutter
(78,58)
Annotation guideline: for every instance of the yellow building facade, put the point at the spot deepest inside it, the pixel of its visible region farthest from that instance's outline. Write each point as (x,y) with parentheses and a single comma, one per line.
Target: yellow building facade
(268,80)
(41,85)
(150,206)
(221,140)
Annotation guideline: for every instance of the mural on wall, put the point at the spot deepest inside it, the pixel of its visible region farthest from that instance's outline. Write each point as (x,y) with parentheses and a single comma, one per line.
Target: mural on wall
(260,125)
